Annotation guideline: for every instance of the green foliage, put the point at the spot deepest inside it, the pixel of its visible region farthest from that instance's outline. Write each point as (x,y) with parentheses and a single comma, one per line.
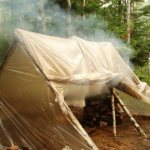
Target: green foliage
(146,10)
(140,40)
(143,73)
(4,44)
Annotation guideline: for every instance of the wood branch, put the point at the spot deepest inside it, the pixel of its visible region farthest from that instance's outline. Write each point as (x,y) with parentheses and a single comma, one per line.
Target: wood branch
(113,113)
(136,125)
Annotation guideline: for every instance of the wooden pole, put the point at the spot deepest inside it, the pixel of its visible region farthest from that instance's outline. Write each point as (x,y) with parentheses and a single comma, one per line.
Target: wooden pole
(136,125)
(113,113)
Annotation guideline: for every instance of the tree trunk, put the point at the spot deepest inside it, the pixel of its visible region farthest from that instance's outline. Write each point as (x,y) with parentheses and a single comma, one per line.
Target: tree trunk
(69,18)
(42,15)
(84,2)
(35,22)
(120,16)
(128,21)
(149,63)
(124,12)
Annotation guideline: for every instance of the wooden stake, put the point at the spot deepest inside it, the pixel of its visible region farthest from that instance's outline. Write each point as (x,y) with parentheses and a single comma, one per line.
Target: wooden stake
(136,125)
(113,113)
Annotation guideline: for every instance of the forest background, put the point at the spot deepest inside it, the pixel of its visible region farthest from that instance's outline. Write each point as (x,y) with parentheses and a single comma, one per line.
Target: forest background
(125,23)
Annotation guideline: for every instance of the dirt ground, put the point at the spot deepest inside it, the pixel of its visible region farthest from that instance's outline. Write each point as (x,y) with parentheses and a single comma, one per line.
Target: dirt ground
(127,136)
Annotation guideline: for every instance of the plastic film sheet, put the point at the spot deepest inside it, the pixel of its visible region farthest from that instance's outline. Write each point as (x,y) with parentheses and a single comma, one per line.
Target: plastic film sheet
(29,114)
(40,71)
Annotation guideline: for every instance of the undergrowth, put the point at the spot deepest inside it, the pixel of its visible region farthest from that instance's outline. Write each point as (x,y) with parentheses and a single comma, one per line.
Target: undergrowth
(4,45)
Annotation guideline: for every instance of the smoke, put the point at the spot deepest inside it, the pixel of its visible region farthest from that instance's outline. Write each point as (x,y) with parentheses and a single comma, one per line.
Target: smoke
(75,94)
(47,17)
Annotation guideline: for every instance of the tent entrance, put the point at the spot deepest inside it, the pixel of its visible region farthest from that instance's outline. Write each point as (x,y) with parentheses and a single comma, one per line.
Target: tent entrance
(30,116)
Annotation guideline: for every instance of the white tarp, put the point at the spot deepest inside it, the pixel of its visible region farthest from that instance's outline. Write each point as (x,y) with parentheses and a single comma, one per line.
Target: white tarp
(39,72)
(77,61)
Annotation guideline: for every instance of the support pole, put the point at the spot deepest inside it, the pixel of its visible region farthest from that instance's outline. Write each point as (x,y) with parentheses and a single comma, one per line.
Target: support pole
(136,125)
(113,113)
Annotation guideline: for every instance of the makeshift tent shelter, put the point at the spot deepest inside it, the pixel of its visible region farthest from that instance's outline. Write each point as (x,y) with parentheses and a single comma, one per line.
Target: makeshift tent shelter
(39,71)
